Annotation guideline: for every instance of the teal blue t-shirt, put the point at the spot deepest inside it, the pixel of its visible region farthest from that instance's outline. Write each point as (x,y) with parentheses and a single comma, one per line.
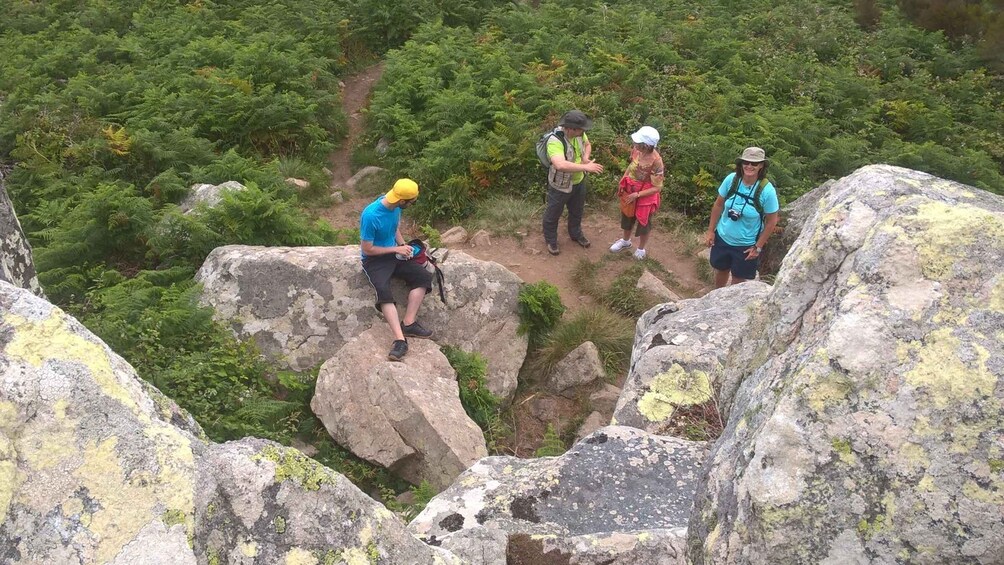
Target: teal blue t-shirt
(379,225)
(745,230)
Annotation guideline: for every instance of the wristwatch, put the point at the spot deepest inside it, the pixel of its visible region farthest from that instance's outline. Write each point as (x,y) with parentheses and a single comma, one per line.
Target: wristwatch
(758,249)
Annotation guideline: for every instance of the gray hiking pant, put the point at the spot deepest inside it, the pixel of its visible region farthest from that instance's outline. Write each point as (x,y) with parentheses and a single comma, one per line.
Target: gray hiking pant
(556,202)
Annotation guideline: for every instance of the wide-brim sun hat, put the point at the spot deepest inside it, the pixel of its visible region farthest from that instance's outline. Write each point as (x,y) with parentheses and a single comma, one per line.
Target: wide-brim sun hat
(576,119)
(646,135)
(404,189)
(753,155)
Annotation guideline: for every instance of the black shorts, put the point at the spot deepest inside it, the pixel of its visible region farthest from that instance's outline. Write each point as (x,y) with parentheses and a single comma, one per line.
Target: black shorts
(380,269)
(725,257)
(628,222)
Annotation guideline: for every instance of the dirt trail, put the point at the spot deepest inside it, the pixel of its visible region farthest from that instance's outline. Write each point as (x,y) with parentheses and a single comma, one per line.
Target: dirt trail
(355,97)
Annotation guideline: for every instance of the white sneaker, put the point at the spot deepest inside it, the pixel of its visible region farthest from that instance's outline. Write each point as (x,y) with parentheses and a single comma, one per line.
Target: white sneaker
(639,254)
(619,245)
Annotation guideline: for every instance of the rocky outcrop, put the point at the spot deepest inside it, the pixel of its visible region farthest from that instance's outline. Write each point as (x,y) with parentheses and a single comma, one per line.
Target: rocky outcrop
(208,194)
(97,467)
(404,416)
(259,502)
(16,264)
(865,398)
(301,304)
(616,480)
(582,366)
(680,350)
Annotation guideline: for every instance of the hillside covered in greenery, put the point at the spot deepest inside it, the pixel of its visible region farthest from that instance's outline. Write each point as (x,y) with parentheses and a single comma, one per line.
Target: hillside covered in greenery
(111,109)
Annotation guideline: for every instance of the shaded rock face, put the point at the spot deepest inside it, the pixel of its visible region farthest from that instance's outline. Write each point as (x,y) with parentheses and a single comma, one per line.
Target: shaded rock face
(648,547)
(405,416)
(618,479)
(16,264)
(301,304)
(98,467)
(790,225)
(679,353)
(865,402)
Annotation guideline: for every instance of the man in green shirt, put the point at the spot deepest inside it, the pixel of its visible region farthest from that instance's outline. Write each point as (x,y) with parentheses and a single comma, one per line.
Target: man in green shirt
(566,178)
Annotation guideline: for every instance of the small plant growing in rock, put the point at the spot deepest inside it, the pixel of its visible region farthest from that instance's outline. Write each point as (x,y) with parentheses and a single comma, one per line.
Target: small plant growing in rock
(540,308)
(551,445)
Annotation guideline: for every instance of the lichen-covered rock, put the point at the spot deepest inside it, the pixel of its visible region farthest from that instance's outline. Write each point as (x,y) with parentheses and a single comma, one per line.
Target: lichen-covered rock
(865,399)
(16,264)
(617,479)
(208,194)
(92,470)
(98,467)
(405,416)
(259,502)
(301,304)
(679,351)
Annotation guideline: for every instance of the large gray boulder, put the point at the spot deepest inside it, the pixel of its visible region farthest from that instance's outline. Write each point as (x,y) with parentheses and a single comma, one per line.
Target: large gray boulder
(865,399)
(792,220)
(618,479)
(301,304)
(208,194)
(679,352)
(405,416)
(98,467)
(16,264)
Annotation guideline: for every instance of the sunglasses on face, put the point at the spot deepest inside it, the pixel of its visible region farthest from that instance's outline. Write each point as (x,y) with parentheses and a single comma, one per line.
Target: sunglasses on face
(749,164)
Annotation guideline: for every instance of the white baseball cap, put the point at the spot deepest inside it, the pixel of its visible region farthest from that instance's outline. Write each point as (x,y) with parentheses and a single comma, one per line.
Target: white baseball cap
(647,135)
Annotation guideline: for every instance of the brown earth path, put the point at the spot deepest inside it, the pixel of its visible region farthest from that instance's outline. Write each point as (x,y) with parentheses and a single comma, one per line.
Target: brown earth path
(527,257)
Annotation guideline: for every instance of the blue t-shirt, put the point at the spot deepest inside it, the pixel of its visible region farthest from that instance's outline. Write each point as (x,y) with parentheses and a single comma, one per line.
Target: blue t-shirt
(745,230)
(379,225)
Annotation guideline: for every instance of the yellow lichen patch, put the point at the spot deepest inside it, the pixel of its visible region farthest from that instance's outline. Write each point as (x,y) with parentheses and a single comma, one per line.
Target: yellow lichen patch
(56,443)
(299,556)
(966,437)
(37,342)
(294,465)
(827,390)
(944,376)
(926,484)
(945,231)
(365,534)
(997,296)
(914,456)
(355,556)
(676,387)
(975,492)
(73,507)
(177,467)
(644,537)
(248,548)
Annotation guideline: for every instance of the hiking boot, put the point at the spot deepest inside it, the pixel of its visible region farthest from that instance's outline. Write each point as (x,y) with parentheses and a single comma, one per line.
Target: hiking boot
(398,351)
(552,248)
(620,245)
(581,240)
(639,254)
(416,330)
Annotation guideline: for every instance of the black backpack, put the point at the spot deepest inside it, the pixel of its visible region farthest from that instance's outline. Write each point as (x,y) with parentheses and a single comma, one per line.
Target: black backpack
(753,199)
(545,161)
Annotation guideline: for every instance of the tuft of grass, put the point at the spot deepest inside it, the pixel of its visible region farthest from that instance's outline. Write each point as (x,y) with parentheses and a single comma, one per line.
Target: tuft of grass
(612,334)
(506,216)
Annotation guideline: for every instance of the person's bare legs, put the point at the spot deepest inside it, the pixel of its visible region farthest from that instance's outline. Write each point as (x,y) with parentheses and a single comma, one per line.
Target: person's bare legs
(627,235)
(389,310)
(737,281)
(721,278)
(415,297)
(642,241)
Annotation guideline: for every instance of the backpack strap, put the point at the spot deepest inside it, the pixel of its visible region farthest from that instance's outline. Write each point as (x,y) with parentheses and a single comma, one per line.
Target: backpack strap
(753,198)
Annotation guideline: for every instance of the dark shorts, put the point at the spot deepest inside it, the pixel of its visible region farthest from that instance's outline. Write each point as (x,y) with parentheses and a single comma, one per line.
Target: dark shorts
(725,257)
(628,222)
(380,269)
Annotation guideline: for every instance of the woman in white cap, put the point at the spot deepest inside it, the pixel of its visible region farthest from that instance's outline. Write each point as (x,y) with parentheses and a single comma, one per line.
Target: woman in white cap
(737,236)
(639,190)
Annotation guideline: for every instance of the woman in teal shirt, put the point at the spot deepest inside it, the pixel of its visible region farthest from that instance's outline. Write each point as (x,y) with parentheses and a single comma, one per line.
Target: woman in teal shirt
(742,219)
